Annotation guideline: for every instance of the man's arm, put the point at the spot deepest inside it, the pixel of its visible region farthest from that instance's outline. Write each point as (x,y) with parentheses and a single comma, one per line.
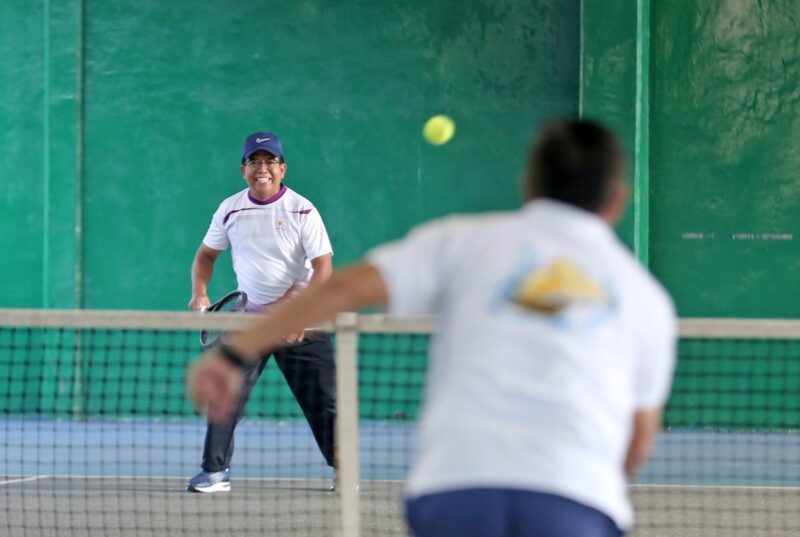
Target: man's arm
(215,380)
(202,270)
(646,424)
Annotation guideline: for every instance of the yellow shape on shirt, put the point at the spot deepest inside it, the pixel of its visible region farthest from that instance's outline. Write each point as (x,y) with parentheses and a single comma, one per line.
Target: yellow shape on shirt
(556,286)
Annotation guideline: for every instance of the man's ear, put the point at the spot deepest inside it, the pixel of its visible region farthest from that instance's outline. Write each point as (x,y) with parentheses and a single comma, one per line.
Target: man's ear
(617,201)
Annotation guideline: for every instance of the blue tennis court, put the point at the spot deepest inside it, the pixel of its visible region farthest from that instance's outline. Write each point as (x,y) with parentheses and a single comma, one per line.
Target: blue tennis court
(127,478)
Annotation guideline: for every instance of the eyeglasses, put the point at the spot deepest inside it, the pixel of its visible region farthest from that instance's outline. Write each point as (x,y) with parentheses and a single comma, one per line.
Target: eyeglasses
(257,163)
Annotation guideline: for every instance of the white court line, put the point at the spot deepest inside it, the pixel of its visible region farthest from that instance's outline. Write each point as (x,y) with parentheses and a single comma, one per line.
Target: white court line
(367,481)
(23,479)
(726,487)
(84,476)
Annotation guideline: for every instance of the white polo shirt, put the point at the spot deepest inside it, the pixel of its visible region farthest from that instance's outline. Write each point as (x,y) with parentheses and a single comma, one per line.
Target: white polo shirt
(550,337)
(272,241)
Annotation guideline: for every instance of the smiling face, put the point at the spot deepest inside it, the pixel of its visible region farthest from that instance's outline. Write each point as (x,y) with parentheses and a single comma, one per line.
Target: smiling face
(263,173)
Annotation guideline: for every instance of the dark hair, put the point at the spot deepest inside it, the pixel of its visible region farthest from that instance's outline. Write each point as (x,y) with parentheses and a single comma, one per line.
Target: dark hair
(576,162)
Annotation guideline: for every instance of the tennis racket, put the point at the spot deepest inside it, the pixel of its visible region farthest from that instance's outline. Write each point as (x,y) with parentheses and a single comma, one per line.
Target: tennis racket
(233,302)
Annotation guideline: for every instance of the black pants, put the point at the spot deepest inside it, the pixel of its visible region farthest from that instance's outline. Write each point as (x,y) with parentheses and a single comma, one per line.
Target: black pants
(309,369)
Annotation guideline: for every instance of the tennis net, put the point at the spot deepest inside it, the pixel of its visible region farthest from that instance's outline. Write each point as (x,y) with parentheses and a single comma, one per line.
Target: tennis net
(99,438)
(726,464)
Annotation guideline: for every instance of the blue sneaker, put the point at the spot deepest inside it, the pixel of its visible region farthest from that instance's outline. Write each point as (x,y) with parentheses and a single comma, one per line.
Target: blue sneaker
(210,482)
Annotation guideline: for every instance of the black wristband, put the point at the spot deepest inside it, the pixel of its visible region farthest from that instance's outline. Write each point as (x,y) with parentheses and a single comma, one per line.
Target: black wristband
(232,356)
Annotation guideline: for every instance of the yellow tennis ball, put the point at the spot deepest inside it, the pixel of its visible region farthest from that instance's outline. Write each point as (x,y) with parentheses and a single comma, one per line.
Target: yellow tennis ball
(439,129)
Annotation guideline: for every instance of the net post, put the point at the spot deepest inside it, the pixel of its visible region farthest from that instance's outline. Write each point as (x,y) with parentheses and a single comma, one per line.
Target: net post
(347,448)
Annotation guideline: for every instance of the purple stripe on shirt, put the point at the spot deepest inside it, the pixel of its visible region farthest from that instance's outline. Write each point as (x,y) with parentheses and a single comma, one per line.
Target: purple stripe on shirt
(231,213)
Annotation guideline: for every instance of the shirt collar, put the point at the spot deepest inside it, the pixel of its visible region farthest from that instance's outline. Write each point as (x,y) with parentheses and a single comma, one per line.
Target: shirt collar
(563,214)
(269,200)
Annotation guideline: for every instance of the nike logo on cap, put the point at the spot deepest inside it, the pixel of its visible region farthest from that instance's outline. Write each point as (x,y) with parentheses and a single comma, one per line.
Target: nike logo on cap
(259,140)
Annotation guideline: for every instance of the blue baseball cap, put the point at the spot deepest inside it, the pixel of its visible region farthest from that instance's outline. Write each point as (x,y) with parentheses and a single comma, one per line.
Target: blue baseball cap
(262,141)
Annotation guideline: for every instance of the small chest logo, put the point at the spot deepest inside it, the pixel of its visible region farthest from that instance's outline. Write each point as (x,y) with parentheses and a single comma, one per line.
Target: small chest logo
(279,223)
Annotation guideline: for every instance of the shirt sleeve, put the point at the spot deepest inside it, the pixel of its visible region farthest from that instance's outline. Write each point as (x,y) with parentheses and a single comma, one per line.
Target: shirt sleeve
(216,236)
(315,236)
(413,270)
(657,358)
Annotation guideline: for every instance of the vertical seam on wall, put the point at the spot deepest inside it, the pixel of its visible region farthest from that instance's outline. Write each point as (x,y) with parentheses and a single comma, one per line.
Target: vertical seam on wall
(581,38)
(46,162)
(79,168)
(641,195)
(79,368)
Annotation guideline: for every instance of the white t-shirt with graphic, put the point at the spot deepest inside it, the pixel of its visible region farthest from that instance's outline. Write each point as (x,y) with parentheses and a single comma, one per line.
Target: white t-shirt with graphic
(272,242)
(550,336)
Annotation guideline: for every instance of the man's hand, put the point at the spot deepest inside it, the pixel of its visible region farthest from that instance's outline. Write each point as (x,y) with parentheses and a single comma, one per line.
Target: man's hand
(294,290)
(198,302)
(214,384)
(295,337)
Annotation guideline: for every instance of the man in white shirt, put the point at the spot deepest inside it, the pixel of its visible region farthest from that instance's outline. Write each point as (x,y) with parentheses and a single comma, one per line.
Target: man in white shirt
(279,246)
(552,359)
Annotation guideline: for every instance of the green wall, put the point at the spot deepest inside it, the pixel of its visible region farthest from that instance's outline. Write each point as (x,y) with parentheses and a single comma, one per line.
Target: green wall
(124,122)
(706,96)
(21,121)
(608,79)
(725,183)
